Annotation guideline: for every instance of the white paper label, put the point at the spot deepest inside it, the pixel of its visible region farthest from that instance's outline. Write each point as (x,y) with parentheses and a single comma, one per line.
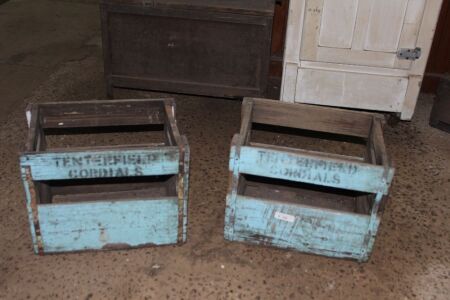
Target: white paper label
(284,217)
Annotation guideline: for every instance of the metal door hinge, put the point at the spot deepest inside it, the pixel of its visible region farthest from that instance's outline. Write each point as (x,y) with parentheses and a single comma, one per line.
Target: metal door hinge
(409,54)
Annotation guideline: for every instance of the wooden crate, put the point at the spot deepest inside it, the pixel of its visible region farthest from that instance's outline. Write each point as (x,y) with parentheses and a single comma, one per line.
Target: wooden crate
(315,202)
(110,196)
(214,48)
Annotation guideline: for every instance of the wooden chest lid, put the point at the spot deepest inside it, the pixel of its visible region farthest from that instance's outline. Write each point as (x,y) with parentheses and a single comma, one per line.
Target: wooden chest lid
(247,7)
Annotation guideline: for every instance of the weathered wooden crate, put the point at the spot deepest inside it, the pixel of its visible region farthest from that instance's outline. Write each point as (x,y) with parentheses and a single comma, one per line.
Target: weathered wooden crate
(111,196)
(315,202)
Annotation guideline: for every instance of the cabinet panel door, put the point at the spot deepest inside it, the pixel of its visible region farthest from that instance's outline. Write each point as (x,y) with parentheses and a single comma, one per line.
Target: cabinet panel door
(361,32)
(353,90)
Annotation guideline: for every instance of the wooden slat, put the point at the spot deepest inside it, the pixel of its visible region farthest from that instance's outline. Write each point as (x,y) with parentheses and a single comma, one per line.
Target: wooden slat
(86,103)
(313,169)
(377,142)
(370,153)
(108,225)
(90,187)
(34,131)
(364,203)
(102,107)
(43,192)
(172,133)
(182,187)
(304,228)
(87,121)
(313,118)
(246,122)
(102,164)
(144,194)
(301,194)
(103,148)
(301,151)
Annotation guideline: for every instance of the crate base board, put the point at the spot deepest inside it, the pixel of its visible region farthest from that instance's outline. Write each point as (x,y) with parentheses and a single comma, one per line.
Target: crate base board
(108,225)
(298,227)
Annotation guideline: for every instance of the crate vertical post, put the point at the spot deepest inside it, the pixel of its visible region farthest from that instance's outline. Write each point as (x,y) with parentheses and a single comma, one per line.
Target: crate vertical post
(173,134)
(236,143)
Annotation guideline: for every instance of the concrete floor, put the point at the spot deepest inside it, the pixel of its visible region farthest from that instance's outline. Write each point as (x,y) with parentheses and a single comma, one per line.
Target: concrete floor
(51,51)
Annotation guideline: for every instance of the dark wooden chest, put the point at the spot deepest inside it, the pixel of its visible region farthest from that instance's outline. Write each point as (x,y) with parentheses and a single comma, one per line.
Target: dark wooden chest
(216,48)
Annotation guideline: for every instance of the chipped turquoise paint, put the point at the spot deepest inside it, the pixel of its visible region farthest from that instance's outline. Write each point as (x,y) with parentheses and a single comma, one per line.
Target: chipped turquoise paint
(108,225)
(311,169)
(29,209)
(186,190)
(102,164)
(373,227)
(229,218)
(231,197)
(304,228)
(371,235)
(232,160)
(307,229)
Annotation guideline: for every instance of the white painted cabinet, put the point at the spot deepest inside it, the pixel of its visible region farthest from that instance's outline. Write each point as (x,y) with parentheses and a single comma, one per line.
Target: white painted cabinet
(352,53)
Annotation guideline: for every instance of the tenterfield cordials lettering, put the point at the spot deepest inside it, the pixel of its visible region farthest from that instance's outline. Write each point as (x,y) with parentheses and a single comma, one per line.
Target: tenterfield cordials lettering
(101,165)
(307,169)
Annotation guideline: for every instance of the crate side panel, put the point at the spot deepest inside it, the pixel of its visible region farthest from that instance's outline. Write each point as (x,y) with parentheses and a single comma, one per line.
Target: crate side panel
(108,225)
(312,169)
(102,164)
(298,227)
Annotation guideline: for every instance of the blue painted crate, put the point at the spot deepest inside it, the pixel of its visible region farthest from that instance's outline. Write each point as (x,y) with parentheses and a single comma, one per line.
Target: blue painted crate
(105,197)
(309,201)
